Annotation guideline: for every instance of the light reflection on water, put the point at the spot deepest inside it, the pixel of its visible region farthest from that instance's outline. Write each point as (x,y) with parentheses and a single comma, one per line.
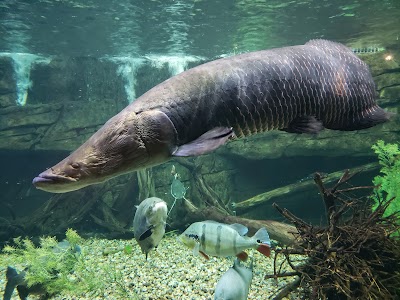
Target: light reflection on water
(201,28)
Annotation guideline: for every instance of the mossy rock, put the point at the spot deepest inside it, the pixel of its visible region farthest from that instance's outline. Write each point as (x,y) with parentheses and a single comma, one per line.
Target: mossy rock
(391,92)
(378,64)
(388,80)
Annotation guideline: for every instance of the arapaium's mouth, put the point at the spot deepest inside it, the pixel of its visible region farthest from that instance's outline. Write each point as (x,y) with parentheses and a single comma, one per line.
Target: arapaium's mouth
(45,178)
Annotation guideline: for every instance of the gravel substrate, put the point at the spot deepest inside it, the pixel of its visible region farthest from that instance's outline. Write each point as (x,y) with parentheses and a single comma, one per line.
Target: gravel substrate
(171,272)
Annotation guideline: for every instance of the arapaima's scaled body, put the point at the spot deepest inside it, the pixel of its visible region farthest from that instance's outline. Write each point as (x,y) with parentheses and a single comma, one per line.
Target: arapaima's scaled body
(299,89)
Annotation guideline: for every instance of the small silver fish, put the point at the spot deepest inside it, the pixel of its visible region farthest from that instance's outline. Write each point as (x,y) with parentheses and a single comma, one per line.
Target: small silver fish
(178,190)
(235,283)
(218,239)
(149,223)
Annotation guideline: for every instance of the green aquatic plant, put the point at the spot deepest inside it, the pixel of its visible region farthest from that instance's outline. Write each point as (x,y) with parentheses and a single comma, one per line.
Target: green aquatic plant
(128,249)
(50,265)
(388,182)
(73,237)
(66,267)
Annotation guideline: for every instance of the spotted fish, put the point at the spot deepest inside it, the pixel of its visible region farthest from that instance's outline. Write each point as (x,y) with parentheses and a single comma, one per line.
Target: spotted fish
(300,89)
(218,239)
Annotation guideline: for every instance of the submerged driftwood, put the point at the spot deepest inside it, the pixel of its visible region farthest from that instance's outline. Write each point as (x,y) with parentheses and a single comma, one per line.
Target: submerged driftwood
(356,256)
(215,209)
(208,195)
(296,188)
(110,208)
(146,184)
(104,205)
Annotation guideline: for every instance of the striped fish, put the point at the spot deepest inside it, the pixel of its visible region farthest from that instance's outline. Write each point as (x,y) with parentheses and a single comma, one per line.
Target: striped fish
(300,89)
(218,239)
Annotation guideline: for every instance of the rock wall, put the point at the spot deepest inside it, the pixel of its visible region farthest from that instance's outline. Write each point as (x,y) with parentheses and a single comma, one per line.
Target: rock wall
(7,82)
(68,99)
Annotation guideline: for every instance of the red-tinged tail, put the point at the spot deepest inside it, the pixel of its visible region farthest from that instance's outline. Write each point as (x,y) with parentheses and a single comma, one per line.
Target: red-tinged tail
(264,249)
(242,256)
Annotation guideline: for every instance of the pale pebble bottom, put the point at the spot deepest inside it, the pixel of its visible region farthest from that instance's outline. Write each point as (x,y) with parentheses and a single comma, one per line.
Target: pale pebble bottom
(171,272)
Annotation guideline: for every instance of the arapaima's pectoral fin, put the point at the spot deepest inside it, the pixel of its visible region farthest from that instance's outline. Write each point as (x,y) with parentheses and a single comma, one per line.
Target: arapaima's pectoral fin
(206,143)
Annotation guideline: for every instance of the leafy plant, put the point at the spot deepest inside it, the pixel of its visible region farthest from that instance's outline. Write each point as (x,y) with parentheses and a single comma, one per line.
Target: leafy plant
(65,268)
(73,237)
(49,265)
(388,181)
(128,249)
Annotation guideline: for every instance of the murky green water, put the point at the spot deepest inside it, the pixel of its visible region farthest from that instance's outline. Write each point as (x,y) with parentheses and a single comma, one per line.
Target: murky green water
(204,28)
(67,66)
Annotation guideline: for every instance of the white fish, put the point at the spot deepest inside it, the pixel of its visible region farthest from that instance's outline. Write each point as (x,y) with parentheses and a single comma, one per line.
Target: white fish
(218,239)
(149,223)
(235,283)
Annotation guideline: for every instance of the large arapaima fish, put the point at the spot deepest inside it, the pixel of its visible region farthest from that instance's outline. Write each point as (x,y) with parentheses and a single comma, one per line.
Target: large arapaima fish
(300,89)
